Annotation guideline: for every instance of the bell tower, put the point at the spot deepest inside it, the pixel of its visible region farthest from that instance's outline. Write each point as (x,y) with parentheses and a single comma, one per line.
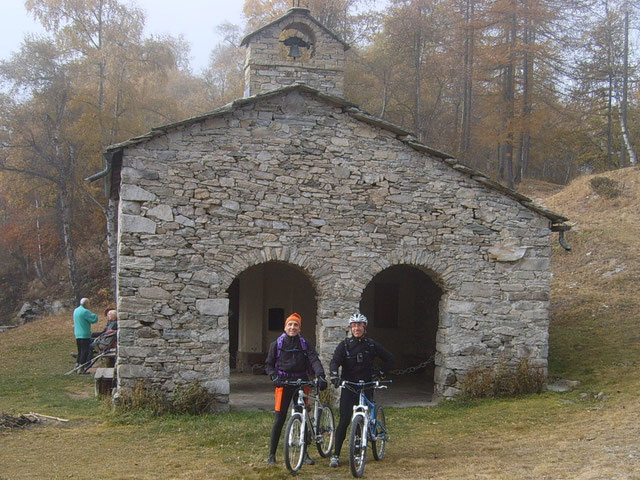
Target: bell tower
(293,49)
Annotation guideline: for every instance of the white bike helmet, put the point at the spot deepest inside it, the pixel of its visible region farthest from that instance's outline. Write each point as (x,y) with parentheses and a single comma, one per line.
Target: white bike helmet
(357,318)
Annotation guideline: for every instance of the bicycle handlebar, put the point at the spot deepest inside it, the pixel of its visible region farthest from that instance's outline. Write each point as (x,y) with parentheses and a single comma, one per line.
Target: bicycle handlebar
(377,384)
(299,383)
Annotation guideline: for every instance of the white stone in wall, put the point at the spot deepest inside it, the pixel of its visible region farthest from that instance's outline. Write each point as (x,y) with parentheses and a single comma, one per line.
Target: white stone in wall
(135,263)
(217,386)
(216,306)
(506,253)
(161,212)
(134,371)
(136,224)
(155,293)
(136,193)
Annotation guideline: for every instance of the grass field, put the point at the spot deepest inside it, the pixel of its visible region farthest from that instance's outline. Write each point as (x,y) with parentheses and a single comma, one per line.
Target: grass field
(590,433)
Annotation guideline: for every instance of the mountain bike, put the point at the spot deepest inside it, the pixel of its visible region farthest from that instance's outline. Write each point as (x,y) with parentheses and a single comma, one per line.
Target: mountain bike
(307,424)
(368,424)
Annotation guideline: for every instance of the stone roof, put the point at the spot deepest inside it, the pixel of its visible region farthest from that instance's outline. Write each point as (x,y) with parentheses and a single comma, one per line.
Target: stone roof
(291,12)
(351,109)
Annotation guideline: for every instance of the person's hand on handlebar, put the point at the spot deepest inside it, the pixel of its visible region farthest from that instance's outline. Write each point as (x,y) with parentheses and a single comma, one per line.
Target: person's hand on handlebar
(322,383)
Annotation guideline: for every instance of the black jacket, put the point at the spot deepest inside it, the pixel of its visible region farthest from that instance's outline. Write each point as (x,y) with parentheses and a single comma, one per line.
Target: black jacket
(356,356)
(293,360)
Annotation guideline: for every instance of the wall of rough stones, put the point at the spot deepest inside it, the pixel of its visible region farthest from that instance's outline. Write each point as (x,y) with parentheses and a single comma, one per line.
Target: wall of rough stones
(294,178)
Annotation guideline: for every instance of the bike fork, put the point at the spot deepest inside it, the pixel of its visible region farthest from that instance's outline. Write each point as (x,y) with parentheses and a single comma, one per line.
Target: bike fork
(365,432)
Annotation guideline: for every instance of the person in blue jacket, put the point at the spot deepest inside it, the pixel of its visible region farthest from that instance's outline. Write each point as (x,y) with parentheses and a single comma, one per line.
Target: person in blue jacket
(82,320)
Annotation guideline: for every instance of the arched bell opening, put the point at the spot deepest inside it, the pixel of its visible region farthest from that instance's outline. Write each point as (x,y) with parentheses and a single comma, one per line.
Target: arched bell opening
(402,305)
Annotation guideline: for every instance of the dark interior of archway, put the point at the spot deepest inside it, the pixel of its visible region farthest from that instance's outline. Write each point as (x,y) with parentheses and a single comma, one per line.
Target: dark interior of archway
(402,305)
(234,307)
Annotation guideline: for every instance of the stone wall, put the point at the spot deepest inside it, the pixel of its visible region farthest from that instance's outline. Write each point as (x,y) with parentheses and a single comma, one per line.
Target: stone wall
(294,178)
(267,66)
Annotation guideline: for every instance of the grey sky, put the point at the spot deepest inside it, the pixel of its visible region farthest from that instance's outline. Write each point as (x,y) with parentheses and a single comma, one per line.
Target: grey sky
(196,20)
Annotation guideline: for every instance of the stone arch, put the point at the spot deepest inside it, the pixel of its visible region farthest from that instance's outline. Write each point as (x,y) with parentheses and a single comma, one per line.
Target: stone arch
(414,285)
(320,278)
(441,272)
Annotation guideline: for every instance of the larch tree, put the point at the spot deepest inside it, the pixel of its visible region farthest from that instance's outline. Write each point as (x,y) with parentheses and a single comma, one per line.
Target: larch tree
(224,76)
(127,84)
(40,141)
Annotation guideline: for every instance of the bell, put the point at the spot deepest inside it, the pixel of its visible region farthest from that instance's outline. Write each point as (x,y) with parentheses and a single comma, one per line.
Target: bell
(294,51)
(294,44)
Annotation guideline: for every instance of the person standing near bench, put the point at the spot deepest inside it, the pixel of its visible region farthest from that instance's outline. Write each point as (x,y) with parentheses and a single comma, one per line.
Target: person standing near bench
(82,320)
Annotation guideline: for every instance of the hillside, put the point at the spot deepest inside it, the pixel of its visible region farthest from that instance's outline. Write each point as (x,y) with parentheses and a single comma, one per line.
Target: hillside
(590,433)
(605,236)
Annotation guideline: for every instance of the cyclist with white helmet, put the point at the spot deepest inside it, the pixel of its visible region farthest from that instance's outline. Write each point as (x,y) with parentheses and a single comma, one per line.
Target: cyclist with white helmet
(355,355)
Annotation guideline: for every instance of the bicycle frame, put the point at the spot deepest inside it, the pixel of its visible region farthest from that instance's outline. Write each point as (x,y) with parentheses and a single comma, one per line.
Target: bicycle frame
(306,426)
(366,408)
(365,426)
(301,407)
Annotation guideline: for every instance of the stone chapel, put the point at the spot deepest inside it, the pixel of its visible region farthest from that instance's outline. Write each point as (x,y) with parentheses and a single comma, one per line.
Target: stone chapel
(294,199)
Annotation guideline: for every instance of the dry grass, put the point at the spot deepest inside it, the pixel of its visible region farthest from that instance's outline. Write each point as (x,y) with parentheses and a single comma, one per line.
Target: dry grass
(537,189)
(586,434)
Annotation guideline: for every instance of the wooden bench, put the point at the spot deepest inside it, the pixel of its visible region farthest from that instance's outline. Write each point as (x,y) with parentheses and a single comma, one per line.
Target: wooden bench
(105,381)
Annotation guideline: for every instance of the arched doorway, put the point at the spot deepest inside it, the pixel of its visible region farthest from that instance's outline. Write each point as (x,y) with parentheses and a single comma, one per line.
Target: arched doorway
(260,298)
(402,305)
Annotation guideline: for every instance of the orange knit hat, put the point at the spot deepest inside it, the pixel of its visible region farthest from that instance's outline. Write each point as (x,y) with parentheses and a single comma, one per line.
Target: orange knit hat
(295,317)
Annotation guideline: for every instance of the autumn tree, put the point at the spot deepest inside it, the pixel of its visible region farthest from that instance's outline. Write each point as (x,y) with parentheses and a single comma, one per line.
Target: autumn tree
(92,82)
(224,75)
(127,84)
(39,140)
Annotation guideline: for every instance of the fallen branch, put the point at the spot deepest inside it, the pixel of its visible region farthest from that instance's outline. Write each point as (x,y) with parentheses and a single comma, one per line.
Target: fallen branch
(48,416)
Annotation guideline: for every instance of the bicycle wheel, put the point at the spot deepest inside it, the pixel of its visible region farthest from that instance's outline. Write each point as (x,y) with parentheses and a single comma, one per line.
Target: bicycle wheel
(294,444)
(325,429)
(379,435)
(357,447)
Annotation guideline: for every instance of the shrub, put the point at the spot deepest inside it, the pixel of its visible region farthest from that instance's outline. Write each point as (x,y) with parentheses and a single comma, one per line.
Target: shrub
(192,399)
(143,397)
(503,381)
(605,187)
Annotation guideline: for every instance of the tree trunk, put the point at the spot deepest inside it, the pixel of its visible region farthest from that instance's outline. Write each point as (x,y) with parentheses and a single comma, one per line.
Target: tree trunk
(509,103)
(65,211)
(609,124)
(38,265)
(417,103)
(467,89)
(112,247)
(527,108)
(625,89)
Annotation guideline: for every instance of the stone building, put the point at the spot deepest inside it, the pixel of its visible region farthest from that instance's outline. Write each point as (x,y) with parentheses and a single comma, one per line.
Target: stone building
(294,199)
